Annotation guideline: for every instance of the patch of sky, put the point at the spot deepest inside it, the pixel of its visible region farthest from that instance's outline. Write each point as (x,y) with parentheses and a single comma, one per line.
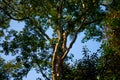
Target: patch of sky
(15,25)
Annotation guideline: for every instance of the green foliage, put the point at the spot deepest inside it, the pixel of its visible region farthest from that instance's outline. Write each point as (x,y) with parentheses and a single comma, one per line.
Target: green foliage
(111,44)
(92,67)
(109,67)
(82,69)
(113,27)
(32,47)
(114,5)
(93,32)
(4,73)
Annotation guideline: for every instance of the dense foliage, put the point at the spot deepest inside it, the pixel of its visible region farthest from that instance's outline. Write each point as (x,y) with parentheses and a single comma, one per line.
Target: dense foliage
(93,67)
(82,69)
(35,47)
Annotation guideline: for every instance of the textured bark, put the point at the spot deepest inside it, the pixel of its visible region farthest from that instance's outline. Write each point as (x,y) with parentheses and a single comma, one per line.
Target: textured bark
(61,50)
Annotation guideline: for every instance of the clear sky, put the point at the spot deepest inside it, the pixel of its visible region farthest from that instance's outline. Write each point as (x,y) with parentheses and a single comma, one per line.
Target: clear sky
(76,49)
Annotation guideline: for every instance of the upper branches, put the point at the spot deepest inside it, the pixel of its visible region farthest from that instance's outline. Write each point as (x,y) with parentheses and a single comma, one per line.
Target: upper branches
(73,40)
(10,10)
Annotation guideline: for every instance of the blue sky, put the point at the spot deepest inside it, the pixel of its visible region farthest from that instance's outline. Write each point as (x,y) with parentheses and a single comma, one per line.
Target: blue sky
(76,49)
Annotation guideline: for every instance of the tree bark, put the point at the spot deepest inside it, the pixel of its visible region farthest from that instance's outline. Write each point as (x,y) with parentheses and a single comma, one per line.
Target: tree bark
(57,67)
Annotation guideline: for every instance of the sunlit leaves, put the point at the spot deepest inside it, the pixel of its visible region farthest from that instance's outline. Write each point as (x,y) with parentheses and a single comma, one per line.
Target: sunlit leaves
(32,46)
(113,27)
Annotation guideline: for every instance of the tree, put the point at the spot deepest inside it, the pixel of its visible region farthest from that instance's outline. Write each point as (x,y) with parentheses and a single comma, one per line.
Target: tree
(111,45)
(65,18)
(92,67)
(82,69)
(112,26)
(109,67)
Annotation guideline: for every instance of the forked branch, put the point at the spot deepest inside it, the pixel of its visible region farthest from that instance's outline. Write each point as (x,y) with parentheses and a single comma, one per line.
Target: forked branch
(73,41)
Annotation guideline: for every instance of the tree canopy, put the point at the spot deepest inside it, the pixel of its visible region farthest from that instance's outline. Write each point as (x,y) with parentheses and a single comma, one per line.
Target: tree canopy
(34,47)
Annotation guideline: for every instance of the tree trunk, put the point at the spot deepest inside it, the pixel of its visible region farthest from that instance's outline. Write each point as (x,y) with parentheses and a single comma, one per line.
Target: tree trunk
(57,63)
(53,76)
(54,67)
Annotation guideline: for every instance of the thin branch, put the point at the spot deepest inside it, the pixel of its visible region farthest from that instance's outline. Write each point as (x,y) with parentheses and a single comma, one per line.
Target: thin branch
(75,34)
(73,41)
(43,74)
(70,26)
(43,33)
(9,15)
(17,19)
(87,23)
(11,7)
(40,29)
(72,23)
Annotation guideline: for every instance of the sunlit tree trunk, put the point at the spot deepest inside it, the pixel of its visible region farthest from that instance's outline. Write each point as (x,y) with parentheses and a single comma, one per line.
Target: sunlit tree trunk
(56,68)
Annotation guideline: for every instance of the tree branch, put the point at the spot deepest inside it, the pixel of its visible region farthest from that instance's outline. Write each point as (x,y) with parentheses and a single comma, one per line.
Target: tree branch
(35,23)
(43,33)
(59,33)
(54,57)
(73,41)
(64,47)
(9,15)
(76,32)
(69,28)
(17,19)
(11,7)
(43,74)
(87,23)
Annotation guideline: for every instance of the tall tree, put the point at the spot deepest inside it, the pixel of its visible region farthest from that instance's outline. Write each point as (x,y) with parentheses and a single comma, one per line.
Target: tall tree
(67,18)
(111,44)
